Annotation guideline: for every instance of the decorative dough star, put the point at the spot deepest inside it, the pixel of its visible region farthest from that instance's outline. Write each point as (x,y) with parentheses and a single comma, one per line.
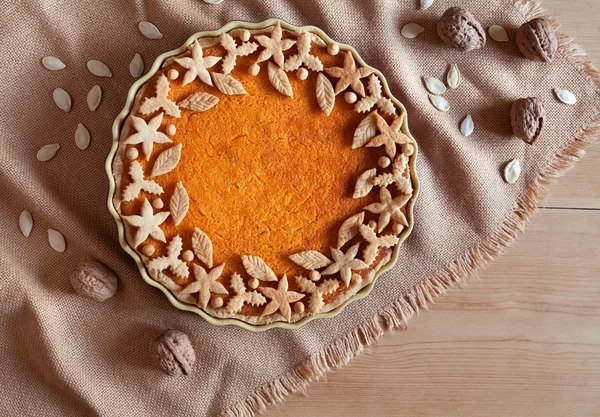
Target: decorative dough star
(345,263)
(349,75)
(205,284)
(171,261)
(197,65)
(390,135)
(389,208)
(280,299)
(274,46)
(161,101)
(147,134)
(147,223)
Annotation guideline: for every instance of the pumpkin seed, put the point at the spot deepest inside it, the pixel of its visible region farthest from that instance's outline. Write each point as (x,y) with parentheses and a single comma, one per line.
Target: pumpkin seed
(425,4)
(98,68)
(467,126)
(565,96)
(62,99)
(454,77)
(25,223)
(149,30)
(439,102)
(52,63)
(82,137)
(412,30)
(56,240)
(47,152)
(512,170)
(94,97)
(136,66)
(498,33)
(434,86)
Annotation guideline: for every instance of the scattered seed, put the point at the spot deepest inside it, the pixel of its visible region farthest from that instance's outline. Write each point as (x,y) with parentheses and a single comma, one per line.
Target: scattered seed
(149,30)
(82,137)
(94,97)
(434,86)
(47,152)
(467,126)
(56,240)
(62,99)
(439,102)
(412,30)
(25,223)
(498,33)
(425,4)
(565,96)
(136,66)
(98,68)
(512,170)
(52,63)
(453,78)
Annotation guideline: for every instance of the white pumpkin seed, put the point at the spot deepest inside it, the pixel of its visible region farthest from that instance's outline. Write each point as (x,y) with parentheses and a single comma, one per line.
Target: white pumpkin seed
(467,126)
(149,30)
(62,99)
(56,240)
(47,152)
(98,68)
(94,97)
(498,33)
(136,66)
(439,102)
(412,30)
(454,77)
(512,170)
(565,96)
(434,86)
(26,223)
(425,4)
(82,137)
(52,63)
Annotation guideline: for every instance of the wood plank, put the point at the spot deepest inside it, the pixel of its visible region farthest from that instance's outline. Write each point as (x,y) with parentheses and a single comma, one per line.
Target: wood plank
(523,340)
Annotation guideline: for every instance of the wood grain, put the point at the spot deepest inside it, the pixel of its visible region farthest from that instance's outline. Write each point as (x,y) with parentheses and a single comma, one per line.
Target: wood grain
(522,341)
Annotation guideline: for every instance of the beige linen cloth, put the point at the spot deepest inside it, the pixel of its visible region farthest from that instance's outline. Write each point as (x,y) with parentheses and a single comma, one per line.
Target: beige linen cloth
(63,354)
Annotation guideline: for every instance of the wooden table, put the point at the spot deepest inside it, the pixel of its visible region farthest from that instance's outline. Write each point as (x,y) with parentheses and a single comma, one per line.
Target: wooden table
(524,340)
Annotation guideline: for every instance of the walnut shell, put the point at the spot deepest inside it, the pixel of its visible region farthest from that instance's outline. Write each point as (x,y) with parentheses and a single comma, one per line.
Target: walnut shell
(459,29)
(537,41)
(173,352)
(527,116)
(94,280)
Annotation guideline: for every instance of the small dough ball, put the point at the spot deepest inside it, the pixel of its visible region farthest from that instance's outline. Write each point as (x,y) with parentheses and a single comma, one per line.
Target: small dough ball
(171,129)
(408,149)
(372,224)
(350,97)
(157,203)
(245,36)
(384,162)
(216,302)
(132,153)
(254,69)
(253,283)
(148,250)
(299,307)
(187,256)
(314,275)
(173,74)
(333,49)
(302,74)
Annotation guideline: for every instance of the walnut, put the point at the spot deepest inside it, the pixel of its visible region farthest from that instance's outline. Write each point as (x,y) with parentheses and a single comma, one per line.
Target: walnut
(527,117)
(173,352)
(459,29)
(537,41)
(94,280)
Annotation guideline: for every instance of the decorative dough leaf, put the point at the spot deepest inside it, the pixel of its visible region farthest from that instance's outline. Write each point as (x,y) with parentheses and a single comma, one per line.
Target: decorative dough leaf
(198,102)
(167,160)
(226,84)
(279,80)
(349,228)
(365,131)
(364,183)
(325,94)
(179,203)
(310,259)
(202,246)
(257,268)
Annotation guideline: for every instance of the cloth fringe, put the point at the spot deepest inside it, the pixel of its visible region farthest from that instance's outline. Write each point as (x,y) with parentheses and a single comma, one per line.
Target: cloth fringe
(396,316)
